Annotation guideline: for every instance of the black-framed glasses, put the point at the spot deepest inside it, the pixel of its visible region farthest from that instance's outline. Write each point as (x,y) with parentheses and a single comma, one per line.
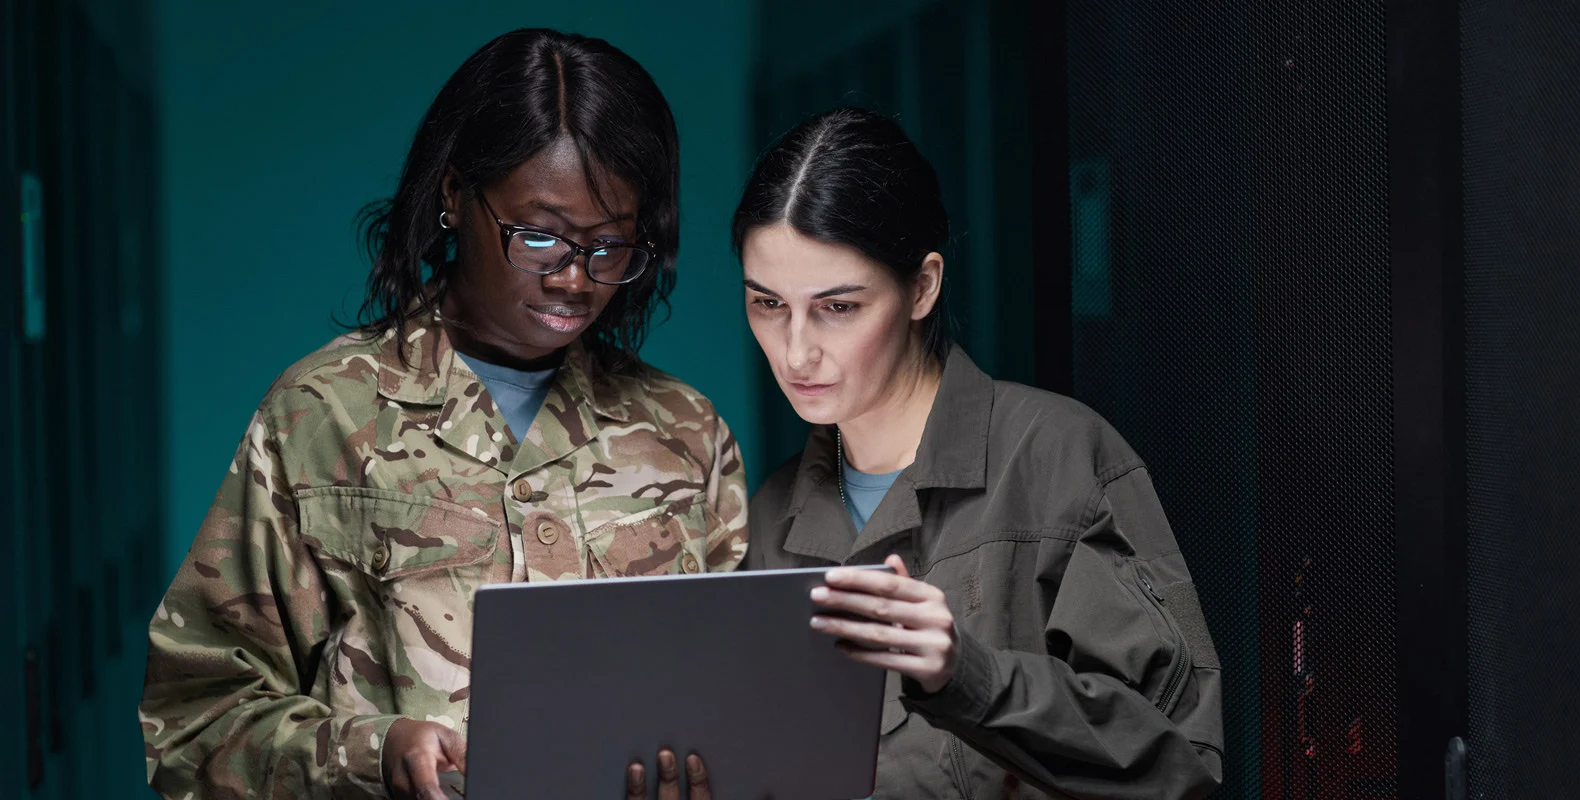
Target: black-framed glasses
(542,253)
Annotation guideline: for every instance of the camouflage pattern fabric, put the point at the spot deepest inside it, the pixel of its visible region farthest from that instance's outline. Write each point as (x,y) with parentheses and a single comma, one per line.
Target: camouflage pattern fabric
(329,590)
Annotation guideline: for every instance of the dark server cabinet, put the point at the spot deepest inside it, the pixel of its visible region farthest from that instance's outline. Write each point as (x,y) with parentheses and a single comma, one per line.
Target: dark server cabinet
(84,435)
(1317,262)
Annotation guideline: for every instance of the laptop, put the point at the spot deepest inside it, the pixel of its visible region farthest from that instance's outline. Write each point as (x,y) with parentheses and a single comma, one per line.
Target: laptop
(572,681)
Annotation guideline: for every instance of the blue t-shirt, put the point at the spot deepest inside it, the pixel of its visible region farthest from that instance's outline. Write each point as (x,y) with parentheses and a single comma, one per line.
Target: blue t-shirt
(519,394)
(863,492)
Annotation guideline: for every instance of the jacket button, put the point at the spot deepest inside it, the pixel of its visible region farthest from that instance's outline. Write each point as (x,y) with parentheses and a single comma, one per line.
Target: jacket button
(381,558)
(689,564)
(521,490)
(547,533)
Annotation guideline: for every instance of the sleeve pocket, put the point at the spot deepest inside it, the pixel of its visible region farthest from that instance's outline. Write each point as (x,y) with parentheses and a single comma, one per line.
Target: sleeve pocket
(1181,602)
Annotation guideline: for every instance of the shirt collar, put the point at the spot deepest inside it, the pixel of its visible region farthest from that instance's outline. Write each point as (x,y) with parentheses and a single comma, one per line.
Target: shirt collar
(952,454)
(432,372)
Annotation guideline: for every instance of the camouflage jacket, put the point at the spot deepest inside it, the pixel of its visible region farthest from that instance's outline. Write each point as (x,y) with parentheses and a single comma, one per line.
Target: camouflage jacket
(329,590)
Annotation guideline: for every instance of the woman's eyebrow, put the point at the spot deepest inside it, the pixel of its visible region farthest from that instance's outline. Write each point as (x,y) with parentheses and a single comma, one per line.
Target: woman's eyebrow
(844,288)
(757,287)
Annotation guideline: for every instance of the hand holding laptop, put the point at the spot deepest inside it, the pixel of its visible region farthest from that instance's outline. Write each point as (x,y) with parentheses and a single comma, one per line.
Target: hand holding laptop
(414,754)
(891,621)
(669,779)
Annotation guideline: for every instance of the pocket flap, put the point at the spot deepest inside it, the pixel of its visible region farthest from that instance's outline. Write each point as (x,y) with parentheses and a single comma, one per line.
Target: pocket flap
(894,712)
(390,535)
(668,538)
(1182,603)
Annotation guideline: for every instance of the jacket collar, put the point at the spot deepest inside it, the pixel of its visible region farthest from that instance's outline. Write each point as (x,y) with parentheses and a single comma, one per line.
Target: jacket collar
(468,418)
(952,454)
(953,451)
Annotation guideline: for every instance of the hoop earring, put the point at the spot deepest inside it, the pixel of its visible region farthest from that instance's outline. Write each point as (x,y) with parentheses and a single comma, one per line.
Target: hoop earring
(444,220)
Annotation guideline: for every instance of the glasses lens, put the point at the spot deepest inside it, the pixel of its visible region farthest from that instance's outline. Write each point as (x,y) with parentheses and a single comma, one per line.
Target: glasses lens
(537,252)
(617,263)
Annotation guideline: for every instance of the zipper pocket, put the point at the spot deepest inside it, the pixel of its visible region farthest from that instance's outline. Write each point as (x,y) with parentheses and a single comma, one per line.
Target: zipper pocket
(1182,662)
(957,759)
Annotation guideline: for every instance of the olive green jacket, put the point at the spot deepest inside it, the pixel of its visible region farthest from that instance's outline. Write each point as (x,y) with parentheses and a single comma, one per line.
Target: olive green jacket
(1085,668)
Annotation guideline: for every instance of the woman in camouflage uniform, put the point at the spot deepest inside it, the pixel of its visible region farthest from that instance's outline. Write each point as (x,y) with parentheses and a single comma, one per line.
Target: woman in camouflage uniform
(488,422)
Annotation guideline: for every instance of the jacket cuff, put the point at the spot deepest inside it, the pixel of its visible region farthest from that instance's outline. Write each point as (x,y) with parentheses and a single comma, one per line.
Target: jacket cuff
(968,696)
(356,753)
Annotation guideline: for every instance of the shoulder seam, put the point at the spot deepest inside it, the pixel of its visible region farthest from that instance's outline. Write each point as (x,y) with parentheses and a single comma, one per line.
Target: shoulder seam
(319,359)
(1117,471)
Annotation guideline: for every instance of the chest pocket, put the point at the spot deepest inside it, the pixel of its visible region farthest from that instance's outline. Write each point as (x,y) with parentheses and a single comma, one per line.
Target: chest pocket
(404,570)
(669,538)
(392,537)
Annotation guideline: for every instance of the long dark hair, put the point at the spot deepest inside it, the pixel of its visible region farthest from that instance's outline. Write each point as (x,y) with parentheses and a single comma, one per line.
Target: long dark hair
(520,93)
(852,177)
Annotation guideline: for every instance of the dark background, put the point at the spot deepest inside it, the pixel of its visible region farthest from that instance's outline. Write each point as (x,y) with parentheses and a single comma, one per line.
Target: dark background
(1316,261)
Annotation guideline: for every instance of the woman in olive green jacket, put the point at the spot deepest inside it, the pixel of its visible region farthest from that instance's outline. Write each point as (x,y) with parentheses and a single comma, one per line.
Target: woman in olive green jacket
(1043,634)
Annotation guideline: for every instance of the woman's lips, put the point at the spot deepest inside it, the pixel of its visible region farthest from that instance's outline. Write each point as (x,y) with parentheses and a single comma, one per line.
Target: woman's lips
(562,318)
(811,389)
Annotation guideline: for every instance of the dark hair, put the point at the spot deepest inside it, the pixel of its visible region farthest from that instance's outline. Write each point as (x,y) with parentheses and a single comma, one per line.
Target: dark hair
(520,93)
(852,177)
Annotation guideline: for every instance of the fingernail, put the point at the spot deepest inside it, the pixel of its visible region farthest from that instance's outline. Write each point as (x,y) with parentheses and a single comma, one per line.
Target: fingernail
(836,575)
(820,593)
(819,623)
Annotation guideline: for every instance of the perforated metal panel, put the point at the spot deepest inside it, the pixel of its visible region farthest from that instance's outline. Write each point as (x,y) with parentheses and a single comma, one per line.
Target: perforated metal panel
(1229,207)
(1522,352)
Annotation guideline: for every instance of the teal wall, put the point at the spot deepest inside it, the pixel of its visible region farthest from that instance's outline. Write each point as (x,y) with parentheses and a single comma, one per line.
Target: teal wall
(278,125)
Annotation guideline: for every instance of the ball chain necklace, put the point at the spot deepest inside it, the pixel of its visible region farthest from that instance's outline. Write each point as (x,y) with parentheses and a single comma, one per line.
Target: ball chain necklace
(839,475)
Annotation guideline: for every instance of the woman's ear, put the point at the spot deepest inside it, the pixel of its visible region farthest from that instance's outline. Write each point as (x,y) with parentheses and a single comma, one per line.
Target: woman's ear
(450,195)
(927,285)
